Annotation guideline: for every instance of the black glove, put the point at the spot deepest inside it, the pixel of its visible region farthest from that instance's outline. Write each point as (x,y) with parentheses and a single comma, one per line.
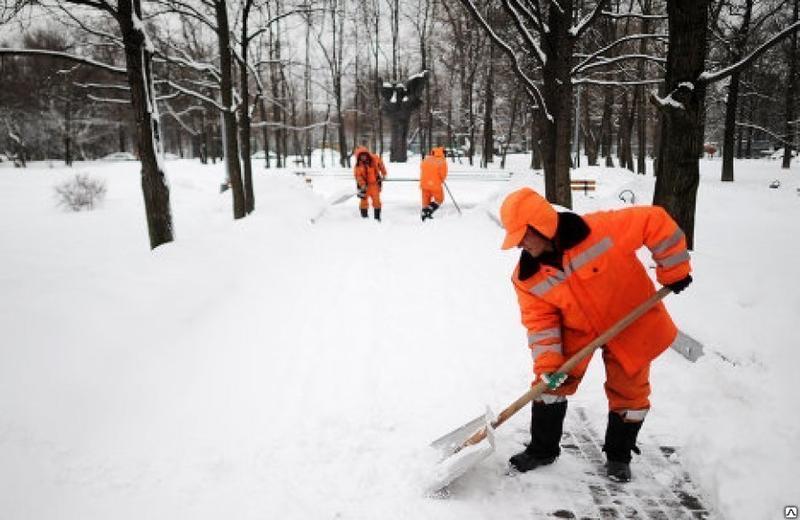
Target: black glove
(362,193)
(681,284)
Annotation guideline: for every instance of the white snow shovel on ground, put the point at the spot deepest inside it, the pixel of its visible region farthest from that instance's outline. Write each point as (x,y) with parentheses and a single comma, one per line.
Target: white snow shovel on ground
(462,448)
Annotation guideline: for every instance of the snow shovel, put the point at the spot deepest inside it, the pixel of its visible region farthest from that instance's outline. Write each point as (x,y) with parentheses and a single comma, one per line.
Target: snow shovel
(461,448)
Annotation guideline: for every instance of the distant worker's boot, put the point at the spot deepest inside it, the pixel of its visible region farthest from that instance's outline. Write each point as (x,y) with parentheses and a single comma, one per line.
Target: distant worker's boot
(364,212)
(426,213)
(547,423)
(432,207)
(620,442)
(378,214)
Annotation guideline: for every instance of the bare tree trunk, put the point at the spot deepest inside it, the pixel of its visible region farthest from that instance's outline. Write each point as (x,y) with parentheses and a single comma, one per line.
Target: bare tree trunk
(641,109)
(731,103)
(143,100)
(682,129)
(514,109)
(229,116)
(790,125)
(244,114)
(262,107)
(536,143)
(307,93)
(68,133)
(730,128)
(488,108)
(589,137)
(557,91)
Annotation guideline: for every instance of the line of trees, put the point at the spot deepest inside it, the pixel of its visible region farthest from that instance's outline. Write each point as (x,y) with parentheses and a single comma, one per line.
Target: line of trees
(621,81)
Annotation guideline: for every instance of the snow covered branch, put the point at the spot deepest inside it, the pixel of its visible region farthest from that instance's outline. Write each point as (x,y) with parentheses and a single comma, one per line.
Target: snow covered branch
(668,102)
(609,14)
(294,128)
(101,85)
(538,52)
(197,95)
(613,44)
(531,87)
(579,29)
(56,54)
(615,59)
(710,77)
(766,131)
(109,100)
(591,81)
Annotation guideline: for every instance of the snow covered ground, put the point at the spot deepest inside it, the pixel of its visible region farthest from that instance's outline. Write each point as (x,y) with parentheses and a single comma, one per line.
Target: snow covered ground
(275,368)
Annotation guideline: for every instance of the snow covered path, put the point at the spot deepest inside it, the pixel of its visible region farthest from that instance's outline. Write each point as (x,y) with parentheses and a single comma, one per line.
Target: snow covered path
(271,368)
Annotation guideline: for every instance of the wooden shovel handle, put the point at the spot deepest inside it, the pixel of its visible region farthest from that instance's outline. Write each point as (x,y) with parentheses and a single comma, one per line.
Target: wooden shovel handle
(569,364)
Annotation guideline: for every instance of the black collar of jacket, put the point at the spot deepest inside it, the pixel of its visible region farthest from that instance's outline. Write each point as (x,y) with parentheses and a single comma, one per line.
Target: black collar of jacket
(571,231)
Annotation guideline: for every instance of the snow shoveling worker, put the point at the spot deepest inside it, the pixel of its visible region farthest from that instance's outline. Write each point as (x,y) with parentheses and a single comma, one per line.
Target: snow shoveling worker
(369,172)
(433,172)
(576,277)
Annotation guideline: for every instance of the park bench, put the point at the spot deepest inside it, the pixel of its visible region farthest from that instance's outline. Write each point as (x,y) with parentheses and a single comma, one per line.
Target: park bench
(586,185)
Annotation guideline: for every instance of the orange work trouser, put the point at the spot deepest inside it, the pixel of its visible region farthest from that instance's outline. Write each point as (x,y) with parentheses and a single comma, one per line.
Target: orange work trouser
(624,392)
(374,194)
(436,194)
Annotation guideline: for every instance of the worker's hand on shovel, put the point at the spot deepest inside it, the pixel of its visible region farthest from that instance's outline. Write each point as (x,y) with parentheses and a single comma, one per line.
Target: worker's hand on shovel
(546,367)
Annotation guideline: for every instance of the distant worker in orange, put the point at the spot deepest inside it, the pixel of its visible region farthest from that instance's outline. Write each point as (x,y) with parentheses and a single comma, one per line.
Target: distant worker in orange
(578,275)
(433,172)
(369,172)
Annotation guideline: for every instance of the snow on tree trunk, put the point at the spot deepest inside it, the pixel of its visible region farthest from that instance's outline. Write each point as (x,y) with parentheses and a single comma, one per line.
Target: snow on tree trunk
(682,128)
(229,116)
(138,57)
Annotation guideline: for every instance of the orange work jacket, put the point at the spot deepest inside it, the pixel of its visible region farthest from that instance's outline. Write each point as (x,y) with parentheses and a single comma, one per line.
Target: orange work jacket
(433,170)
(372,173)
(602,280)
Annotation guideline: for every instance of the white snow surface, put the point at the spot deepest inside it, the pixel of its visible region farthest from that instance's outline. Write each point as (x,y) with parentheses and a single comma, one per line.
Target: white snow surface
(274,368)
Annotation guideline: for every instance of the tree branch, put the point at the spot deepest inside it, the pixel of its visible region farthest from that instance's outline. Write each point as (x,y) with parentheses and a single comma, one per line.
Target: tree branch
(56,54)
(711,77)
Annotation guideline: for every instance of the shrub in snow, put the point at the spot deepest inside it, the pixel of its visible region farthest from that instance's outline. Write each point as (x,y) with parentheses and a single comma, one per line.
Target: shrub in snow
(81,192)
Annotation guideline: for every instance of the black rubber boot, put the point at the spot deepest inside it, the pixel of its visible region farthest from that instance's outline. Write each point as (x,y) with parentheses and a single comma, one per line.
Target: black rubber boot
(364,212)
(426,213)
(620,442)
(547,424)
(432,207)
(378,214)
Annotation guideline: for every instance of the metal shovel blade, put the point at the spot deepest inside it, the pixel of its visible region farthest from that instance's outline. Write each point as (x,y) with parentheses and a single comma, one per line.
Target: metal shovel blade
(687,346)
(459,461)
(340,197)
(449,443)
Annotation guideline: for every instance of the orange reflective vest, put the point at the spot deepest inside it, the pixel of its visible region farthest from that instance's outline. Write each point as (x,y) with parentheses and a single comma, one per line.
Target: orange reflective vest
(601,281)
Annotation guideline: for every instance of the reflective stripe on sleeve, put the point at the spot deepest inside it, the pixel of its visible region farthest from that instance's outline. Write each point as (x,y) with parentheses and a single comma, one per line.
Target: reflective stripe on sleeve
(673,260)
(537,350)
(667,242)
(554,333)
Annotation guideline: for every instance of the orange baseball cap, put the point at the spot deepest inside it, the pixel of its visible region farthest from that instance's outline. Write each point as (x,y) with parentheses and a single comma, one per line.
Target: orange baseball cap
(523,208)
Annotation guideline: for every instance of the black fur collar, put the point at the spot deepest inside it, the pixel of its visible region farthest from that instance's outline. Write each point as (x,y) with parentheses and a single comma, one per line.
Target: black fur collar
(571,231)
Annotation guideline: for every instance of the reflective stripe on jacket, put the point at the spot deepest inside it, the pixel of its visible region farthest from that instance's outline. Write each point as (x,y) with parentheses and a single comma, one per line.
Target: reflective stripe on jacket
(601,281)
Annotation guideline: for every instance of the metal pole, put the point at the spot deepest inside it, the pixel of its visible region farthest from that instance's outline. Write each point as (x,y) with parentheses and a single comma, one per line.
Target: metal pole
(576,145)
(451,197)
